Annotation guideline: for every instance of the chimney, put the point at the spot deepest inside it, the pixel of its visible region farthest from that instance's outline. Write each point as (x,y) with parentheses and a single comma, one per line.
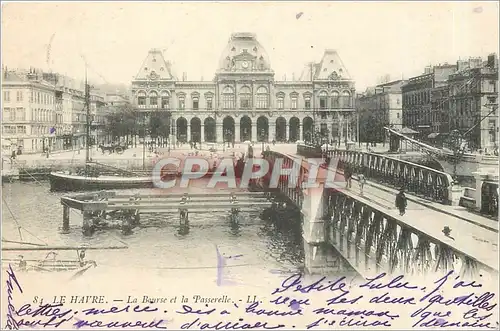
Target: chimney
(427,70)
(492,61)
(293,76)
(184,76)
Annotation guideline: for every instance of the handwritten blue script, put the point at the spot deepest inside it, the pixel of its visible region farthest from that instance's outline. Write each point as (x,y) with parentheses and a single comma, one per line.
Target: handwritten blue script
(376,302)
(436,314)
(12,286)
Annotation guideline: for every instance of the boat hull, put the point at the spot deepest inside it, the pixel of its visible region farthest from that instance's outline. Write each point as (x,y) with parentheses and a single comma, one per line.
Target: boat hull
(69,183)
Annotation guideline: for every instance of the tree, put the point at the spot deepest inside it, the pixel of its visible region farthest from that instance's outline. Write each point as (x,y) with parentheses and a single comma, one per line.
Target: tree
(159,124)
(123,121)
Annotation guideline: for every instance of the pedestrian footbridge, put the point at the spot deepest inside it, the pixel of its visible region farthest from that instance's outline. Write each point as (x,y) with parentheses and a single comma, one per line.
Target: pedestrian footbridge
(345,230)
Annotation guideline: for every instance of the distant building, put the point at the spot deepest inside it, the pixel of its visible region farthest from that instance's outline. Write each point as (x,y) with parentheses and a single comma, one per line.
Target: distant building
(474,102)
(116,100)
(440,114)
(44,110)
(244,102)
(418,113)
(379,107)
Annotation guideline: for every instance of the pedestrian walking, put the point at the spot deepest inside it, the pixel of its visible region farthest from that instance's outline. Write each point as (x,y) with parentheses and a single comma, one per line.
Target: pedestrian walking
(347,176)
(362,182)
(401,202)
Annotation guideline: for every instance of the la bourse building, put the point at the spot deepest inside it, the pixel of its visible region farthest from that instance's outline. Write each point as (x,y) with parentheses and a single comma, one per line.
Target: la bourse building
(244,102)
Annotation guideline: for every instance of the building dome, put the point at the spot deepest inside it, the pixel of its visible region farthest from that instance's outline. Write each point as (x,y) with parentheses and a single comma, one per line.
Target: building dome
(244,45)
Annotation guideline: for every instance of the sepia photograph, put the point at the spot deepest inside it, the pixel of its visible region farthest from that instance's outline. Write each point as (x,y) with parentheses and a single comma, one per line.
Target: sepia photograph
(250,165)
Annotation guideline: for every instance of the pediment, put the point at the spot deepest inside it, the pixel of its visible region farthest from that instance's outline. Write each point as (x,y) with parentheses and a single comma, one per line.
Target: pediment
(245,56)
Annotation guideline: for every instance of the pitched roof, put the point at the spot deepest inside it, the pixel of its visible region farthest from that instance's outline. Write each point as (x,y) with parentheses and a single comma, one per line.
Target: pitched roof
(11,76)
(305,75)
(331,64)
(155,66)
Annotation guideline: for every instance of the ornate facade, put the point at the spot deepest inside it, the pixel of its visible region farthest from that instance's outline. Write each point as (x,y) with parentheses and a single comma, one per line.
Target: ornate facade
(244,102)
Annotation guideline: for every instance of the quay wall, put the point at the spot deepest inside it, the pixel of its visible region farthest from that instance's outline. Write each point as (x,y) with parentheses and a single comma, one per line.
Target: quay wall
(28,170)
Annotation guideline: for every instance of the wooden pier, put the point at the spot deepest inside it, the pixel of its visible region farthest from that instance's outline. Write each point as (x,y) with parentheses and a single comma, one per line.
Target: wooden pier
(97,207)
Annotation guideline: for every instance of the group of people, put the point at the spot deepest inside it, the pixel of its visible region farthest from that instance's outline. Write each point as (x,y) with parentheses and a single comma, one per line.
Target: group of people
(400,202)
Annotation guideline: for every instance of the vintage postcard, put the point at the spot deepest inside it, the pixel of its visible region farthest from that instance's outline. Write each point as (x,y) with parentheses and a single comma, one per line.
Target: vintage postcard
(249,165)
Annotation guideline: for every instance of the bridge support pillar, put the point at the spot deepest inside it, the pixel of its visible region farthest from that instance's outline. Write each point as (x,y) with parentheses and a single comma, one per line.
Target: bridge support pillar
(87,224)
(65,226)
(482,175)
(313,229)
(234,215)
(183,217)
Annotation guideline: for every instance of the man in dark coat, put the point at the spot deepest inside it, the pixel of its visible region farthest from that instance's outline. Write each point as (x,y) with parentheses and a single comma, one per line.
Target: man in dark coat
(401,202)
(347,176)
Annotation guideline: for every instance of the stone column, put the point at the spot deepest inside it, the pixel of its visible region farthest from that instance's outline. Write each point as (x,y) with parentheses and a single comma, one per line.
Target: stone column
(218,137)
(65,227)
(188,131)
(481,175)
(272,129)
(313,229)
(287,132)
(254,131)
(341,129)
(202,133)
(300,131)
(236,131)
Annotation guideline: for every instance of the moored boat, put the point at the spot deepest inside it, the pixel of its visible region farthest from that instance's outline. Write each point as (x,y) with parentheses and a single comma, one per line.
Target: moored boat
(65,182)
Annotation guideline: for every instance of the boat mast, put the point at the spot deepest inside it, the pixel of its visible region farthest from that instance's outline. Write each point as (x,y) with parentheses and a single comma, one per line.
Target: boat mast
(87,106)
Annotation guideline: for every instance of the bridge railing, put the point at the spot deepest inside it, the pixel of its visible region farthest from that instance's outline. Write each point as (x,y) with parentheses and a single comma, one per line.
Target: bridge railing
(422,181)
(374,240)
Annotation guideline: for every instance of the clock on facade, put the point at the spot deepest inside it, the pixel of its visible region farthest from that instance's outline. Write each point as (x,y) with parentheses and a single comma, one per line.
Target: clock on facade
(244,64)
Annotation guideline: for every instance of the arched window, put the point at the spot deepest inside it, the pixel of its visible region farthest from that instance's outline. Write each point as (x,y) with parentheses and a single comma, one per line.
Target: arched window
(245,98)
(323,97)
(262,98)
(153,99)
(335,99)
(195,99)
(280,100)
(346,99)
(182,100)
(228,98)
(141,99)
(165,100)
(209,100)
(294,100)
(307,101)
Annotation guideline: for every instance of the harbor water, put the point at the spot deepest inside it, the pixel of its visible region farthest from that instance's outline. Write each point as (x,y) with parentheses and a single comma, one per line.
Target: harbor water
(157,247)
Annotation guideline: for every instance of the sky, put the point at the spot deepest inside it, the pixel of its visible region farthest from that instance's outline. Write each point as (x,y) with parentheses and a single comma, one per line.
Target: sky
(373,39)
